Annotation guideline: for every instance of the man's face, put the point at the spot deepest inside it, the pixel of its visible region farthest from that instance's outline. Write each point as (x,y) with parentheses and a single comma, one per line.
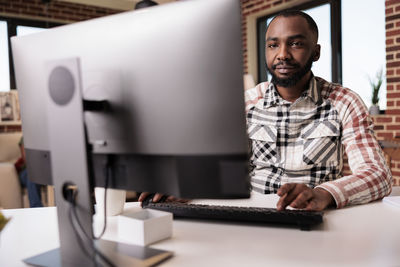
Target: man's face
(291,47)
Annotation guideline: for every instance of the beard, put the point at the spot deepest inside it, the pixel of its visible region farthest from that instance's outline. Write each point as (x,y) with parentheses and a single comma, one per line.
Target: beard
(294,78)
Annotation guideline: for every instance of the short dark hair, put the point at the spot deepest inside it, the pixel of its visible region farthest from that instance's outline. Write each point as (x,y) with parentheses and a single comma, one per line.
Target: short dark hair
(293,13)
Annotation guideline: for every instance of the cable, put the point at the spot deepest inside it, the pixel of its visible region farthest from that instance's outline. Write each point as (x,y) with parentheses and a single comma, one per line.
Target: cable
(70,194)
(96,251)
(108,174)
(76,225)
(78,237)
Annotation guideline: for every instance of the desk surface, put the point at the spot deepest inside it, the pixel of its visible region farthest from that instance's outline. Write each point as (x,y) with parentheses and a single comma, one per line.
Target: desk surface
(365,235)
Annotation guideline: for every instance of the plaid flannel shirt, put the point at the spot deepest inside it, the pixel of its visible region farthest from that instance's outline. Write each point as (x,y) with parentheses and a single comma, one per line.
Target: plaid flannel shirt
(304,142)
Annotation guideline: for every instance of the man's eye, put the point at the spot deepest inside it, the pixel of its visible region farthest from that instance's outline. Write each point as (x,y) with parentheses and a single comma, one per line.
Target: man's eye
(296,44)
(272,45)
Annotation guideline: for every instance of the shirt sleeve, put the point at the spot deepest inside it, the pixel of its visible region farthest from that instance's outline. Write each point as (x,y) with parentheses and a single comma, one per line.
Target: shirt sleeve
(371,178)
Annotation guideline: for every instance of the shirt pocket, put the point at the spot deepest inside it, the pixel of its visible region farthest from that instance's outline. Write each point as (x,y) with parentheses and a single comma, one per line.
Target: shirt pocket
(321,143)
(263,143)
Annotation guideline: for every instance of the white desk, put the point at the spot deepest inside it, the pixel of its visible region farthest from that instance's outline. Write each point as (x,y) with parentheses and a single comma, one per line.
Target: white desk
(366,235)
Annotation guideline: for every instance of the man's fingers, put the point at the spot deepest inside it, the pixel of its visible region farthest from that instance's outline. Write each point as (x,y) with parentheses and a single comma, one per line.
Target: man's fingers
(301,196)
(283,192)
(291,190)
(143,196)
(286,199)
(157,197)
(281,203)
(302,200)
(171,199)
(286,188)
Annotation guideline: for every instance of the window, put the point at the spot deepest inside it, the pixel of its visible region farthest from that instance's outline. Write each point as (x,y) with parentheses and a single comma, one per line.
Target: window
(363,47)
(322,16)
(343,29)
(4,66)
(8,28)
(25,30)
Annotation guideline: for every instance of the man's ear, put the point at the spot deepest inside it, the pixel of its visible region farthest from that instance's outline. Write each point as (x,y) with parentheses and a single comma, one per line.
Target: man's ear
(317,52)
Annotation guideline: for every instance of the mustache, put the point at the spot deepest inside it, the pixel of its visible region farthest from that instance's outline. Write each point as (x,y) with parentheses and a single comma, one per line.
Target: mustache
(282,63)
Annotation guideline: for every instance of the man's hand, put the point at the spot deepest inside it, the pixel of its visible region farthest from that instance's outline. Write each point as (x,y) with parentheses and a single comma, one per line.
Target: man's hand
(157,197)
(300,196)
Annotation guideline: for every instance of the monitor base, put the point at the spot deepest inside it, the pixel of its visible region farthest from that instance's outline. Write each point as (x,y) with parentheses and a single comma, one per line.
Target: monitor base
(120,254)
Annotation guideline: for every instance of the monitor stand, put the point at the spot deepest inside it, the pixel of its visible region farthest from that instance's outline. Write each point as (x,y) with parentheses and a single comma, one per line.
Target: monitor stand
(70,172)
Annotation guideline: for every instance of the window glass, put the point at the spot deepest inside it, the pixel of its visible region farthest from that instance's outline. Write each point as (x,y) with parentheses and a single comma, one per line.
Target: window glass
(363,44)
(322,16)
(263,74)
(24,30)
(4,66)
(9,28)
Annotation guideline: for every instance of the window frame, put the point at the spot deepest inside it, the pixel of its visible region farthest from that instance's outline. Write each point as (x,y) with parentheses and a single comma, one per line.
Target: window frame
(336,37)
(12,24)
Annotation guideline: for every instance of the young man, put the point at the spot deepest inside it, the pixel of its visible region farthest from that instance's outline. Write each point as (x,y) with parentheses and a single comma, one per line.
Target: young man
(299,125)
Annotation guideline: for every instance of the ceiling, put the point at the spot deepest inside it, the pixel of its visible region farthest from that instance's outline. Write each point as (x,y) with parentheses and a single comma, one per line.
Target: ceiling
(114,4)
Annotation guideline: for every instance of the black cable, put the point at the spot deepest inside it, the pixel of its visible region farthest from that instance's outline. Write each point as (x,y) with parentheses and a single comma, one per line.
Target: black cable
(108,175)
(76,224)
(77,235)
(70,196)
(89,105)
(96,251)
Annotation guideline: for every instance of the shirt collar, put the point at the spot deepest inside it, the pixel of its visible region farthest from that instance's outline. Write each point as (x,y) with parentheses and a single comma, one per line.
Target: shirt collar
(273,98)
(314,91)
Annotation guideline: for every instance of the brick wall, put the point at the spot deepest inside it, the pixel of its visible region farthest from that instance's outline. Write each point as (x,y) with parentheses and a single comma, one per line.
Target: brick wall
(54,11)
(387,126)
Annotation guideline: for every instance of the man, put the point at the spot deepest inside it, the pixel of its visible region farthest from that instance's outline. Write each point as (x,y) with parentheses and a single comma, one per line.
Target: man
(299,124)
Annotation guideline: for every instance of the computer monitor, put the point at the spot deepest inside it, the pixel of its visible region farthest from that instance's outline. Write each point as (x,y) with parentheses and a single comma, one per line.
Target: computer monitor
(172,78)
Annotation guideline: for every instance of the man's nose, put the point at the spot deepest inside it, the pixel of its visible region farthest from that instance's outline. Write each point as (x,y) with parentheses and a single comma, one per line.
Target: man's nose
(283,53)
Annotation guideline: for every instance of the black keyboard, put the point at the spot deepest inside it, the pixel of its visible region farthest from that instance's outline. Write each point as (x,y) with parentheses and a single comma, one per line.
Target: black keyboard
(301,218)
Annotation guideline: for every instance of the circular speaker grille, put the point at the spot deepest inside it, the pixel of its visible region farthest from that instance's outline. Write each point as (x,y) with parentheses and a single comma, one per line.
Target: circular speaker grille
(61,85)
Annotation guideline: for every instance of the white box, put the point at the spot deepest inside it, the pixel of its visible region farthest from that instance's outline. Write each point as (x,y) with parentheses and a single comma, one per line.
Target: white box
(145,226)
